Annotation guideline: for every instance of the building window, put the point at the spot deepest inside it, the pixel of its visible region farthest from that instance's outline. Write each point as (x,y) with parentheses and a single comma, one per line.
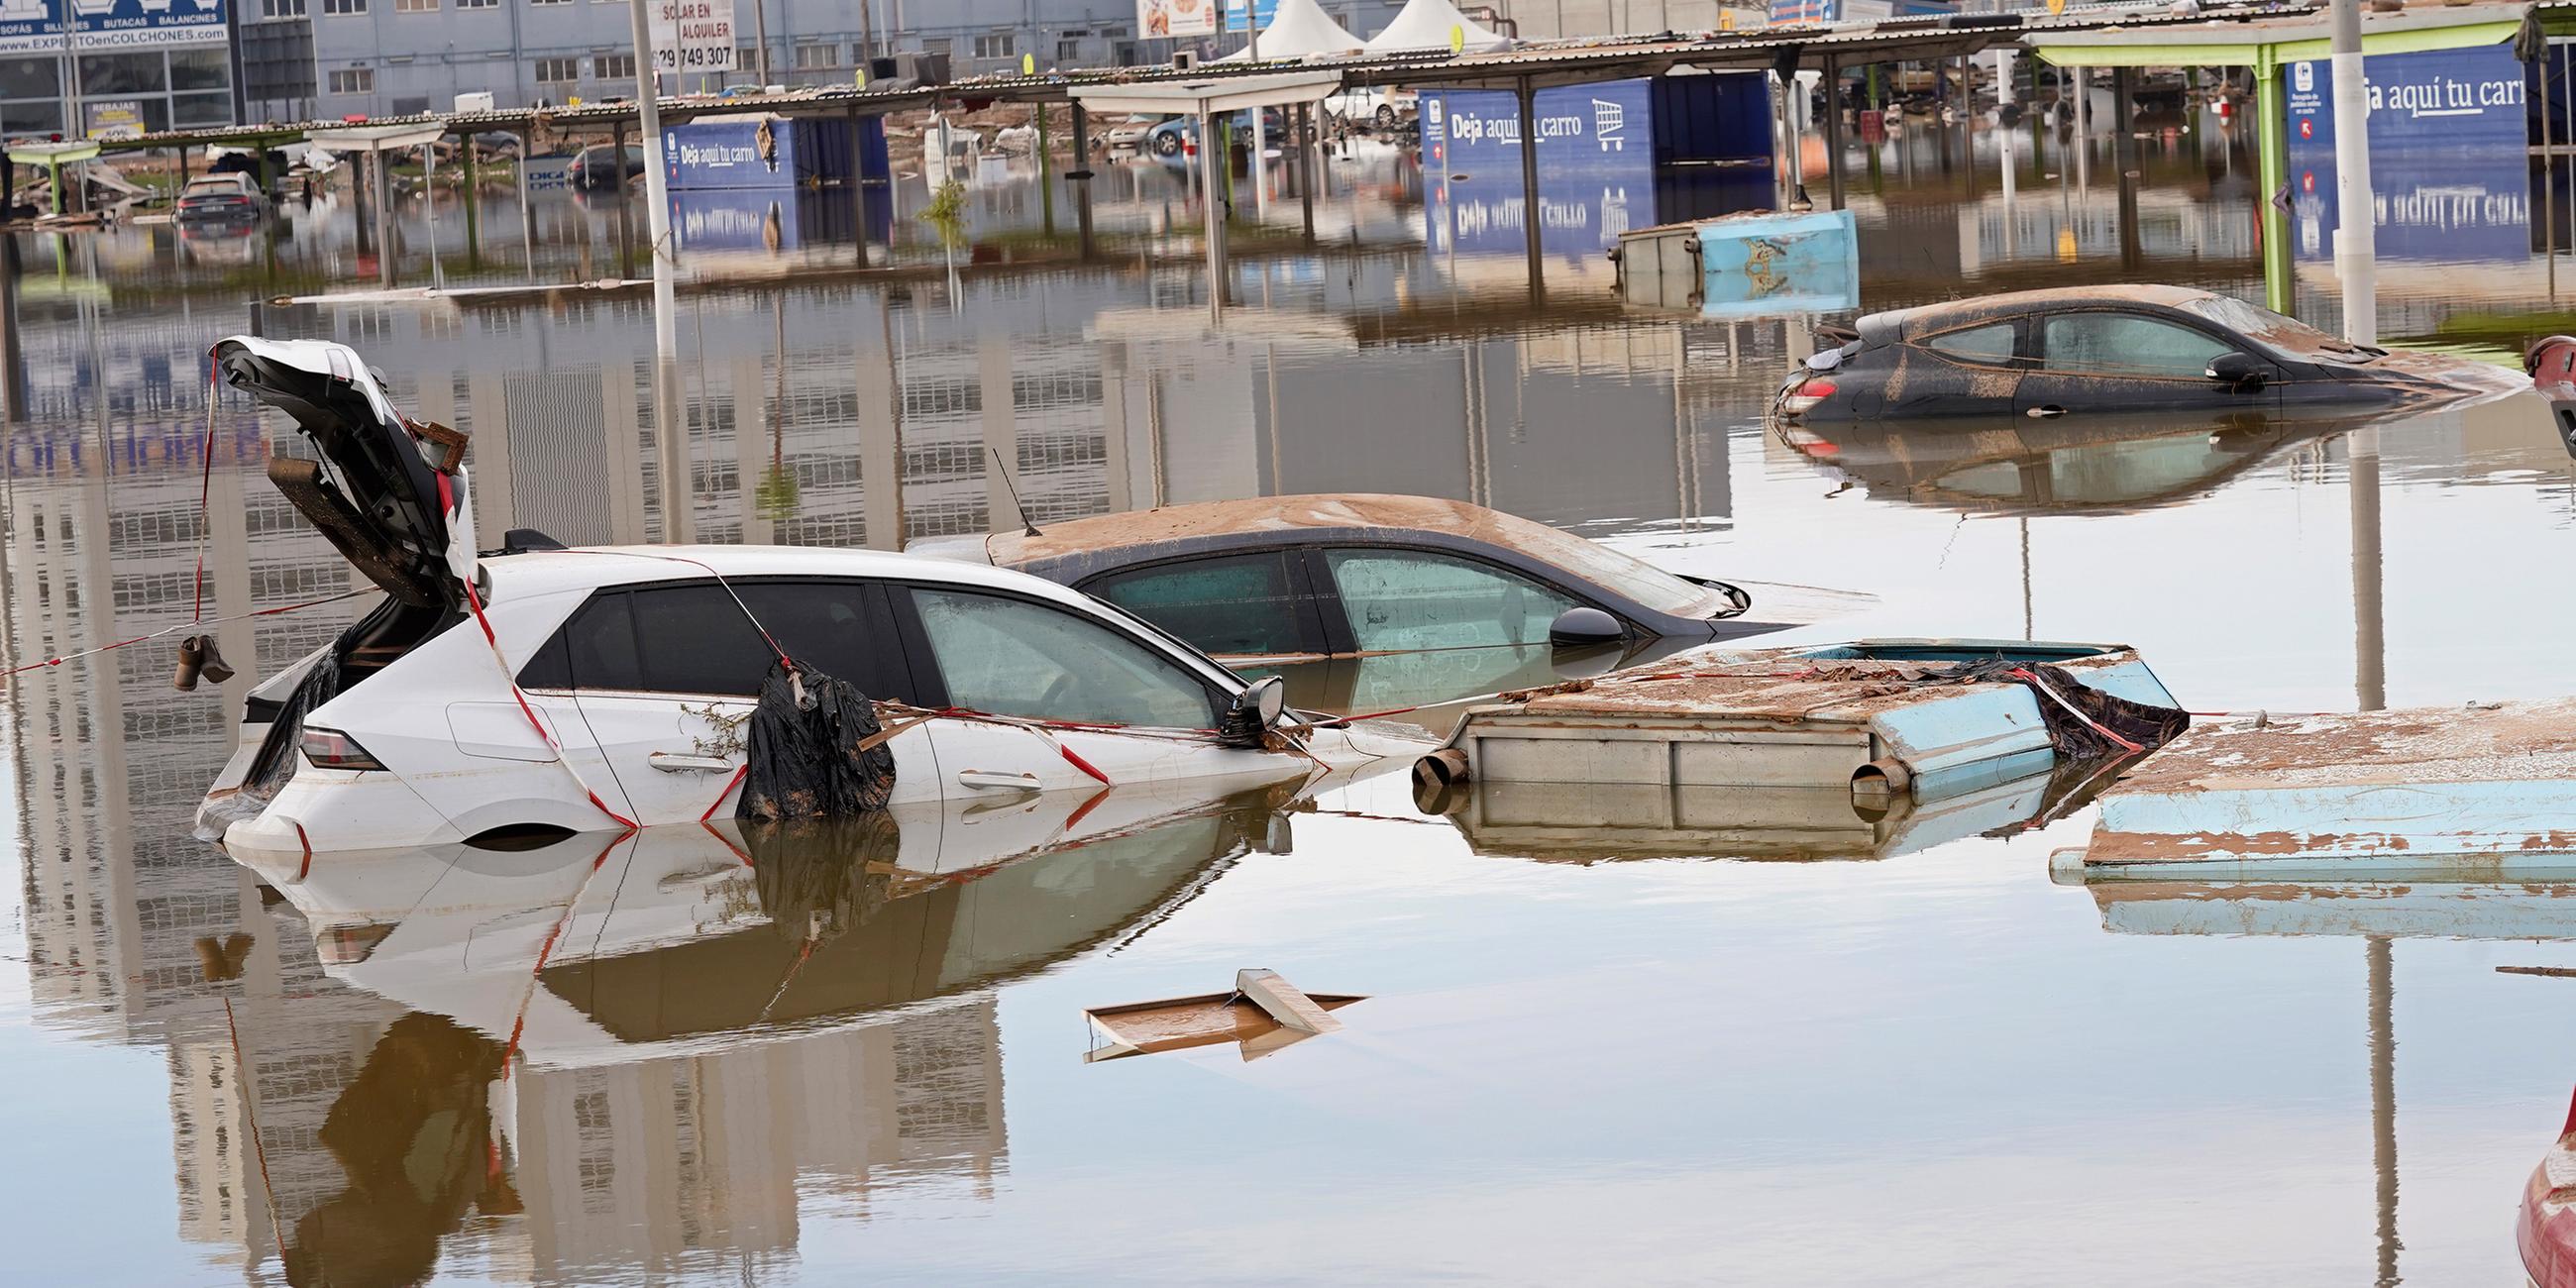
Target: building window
(997,45)
(415,6)
(478,4)
(357,80)
(558,71)
(613,67)
(815,57)
(1068,52)
(281,8)
(343,7)
(549,1)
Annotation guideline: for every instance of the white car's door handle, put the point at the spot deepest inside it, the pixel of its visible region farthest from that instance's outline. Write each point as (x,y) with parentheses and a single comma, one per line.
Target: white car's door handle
(671,762)
(997,780)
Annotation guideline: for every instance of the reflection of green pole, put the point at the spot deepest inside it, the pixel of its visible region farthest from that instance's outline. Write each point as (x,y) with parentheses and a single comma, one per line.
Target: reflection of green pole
(2272,143)
(1046,174)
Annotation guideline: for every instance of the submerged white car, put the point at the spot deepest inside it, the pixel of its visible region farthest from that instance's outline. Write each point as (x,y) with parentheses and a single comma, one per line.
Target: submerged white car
(642,663)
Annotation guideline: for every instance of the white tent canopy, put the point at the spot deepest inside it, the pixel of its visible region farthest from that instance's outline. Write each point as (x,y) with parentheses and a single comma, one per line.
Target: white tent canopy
(1300,29)
(1425,24)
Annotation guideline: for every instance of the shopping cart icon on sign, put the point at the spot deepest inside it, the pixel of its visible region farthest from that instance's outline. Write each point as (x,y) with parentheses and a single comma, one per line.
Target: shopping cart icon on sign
(1607,118)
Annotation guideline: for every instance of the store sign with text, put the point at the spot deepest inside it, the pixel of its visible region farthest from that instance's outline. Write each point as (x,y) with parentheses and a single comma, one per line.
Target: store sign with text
(1181,19)
(692,36)
(36,26)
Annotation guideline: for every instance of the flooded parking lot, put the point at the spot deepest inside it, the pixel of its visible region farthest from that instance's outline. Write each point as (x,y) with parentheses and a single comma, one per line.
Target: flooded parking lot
(1746,1038)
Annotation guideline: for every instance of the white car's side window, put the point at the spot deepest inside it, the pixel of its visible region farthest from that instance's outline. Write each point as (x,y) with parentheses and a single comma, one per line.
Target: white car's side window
(1016,658)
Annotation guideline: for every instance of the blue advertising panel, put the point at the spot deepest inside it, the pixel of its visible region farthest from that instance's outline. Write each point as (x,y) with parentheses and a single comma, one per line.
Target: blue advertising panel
(1240,14)
(730,154)
(723,219)
(2465,206)
(2444,98)
(1596,168)
(36,26)
(1805,13)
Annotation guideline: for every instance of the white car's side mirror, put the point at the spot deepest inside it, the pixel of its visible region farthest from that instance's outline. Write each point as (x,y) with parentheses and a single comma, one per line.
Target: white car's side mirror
(1253,711)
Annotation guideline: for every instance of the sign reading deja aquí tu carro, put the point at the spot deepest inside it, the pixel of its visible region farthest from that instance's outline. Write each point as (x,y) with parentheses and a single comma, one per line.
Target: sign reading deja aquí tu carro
(2448,98)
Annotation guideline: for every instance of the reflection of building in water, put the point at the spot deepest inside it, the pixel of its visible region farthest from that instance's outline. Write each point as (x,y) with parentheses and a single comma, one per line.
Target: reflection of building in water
(648,1164)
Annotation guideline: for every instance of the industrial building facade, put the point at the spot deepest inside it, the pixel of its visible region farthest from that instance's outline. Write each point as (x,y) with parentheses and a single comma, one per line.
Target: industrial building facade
(388,57)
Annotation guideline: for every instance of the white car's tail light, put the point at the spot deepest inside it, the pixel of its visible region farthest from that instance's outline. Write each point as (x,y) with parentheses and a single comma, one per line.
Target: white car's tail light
(1803,396)
(332,749)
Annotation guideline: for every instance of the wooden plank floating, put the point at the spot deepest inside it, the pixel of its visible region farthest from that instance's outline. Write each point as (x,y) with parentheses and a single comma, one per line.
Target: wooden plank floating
(1245,1017)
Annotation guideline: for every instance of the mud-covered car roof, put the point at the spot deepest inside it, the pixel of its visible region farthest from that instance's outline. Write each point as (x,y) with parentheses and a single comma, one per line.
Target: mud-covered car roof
(1927,319)
(1077,549)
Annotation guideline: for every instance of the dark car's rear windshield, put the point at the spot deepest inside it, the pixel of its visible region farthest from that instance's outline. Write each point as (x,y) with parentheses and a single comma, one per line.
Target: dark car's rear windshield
(2287,337)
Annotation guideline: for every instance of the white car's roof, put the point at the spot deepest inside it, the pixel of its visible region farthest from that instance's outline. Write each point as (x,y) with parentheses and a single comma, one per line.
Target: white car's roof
(590,567)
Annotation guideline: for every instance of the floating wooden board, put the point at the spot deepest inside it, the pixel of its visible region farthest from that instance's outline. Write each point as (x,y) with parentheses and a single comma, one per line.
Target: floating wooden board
(1179,1023)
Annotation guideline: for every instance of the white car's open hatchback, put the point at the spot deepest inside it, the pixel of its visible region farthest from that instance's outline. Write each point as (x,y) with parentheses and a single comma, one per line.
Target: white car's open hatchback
(642,663)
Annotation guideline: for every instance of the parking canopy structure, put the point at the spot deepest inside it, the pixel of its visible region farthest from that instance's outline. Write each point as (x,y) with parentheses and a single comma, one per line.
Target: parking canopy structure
(375,141)
(2269,46)
(1205,100)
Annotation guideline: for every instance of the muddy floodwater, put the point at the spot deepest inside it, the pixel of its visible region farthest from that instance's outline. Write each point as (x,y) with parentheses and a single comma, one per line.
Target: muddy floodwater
(1764,1042)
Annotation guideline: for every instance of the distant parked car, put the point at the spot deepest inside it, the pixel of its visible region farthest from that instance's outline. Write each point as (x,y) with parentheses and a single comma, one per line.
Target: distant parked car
(596,168)
(221,198)
(2114,350)
(1429,599)
(1127,133)
(1370,105)
(1167,139)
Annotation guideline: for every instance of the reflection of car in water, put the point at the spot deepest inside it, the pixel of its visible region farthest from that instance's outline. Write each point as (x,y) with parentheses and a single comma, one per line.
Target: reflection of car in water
(1425,594)
(729,987)
(642,662)
(692,936)
(2115,350)
(2014,463)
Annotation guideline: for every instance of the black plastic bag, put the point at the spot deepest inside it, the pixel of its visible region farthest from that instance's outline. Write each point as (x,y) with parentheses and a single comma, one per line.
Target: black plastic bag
(805,750)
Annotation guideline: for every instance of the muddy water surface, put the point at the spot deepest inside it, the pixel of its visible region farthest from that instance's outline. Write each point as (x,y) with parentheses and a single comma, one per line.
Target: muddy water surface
(1773,1043)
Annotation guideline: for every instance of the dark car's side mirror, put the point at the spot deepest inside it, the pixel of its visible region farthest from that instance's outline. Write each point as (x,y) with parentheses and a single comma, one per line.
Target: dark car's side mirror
(1253,711)
(1585,628)
(2241,372)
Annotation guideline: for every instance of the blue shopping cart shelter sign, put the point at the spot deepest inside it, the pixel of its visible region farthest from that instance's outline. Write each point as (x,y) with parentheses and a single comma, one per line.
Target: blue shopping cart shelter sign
(2445,98)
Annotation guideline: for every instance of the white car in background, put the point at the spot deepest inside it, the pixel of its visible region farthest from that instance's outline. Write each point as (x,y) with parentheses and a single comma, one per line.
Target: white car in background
(1372,106)
(643,662)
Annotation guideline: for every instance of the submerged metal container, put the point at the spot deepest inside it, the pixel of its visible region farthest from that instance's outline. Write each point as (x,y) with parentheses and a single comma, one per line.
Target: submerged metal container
(1852,716)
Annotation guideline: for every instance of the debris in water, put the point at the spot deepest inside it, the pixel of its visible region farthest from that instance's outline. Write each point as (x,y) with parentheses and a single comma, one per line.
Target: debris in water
(1263,1014)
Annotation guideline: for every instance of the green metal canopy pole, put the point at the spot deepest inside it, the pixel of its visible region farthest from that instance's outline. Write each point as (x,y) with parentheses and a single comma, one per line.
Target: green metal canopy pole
(1529,182)
(1046,174)
(2272,145)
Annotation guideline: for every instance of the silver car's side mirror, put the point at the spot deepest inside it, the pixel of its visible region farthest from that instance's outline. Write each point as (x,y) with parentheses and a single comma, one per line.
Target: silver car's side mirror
(1253,711)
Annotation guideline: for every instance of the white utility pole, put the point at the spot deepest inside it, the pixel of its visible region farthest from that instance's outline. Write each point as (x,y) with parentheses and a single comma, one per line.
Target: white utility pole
(2357,237)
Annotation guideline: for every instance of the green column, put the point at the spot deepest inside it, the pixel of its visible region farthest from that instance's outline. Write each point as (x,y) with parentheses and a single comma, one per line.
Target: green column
(2272,143)
(1046,175)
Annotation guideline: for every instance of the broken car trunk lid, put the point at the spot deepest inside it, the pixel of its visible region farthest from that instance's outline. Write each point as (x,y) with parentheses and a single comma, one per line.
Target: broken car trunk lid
(374,492)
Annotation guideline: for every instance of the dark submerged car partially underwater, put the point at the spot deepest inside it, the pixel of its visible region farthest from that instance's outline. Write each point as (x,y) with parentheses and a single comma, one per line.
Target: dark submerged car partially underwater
(2112,350)
(1367,601)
